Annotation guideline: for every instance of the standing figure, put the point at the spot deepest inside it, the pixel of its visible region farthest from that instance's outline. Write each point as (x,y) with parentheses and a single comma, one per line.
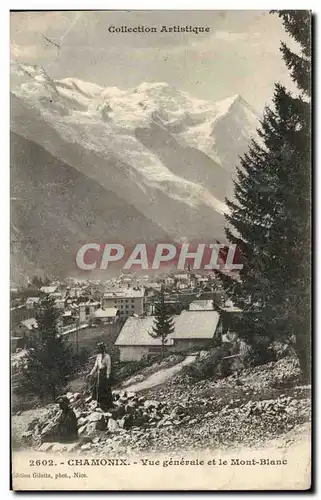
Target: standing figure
(101,391)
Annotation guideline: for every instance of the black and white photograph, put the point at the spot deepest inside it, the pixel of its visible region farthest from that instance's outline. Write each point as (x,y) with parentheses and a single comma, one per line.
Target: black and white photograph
(160,250)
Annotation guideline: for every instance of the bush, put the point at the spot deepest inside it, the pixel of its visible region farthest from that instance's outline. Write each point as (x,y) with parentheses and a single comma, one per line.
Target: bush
(261,352)
(213,365)
(126,369)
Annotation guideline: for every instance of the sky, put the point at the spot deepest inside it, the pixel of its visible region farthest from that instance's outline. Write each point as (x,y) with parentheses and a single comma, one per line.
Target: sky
(239,55)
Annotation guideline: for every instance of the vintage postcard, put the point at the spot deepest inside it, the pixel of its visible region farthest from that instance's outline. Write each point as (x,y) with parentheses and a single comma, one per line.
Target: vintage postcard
(160,250)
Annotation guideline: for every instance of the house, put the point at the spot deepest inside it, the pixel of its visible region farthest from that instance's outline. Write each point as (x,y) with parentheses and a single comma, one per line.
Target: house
(134,340)
(196,328)
(48,290)
(109,315)
(60,303)
(191,329)
(68,318)
(128,301)
(73,291)
(30,324)
(31,302)
(26,328)
(86,310)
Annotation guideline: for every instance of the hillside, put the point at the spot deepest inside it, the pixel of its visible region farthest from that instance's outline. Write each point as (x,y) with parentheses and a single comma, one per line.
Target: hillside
(55,209)
(259,405)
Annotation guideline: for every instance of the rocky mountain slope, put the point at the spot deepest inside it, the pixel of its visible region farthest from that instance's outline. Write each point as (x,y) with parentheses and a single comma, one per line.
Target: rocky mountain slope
(155,148)
(260,404)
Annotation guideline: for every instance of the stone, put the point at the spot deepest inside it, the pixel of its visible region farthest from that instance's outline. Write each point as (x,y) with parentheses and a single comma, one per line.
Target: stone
(72,446)
(95,416)
(151,404)
(59,447)
(27,435)
(86,447)
(45,447)
(90,429)
(131,395)
(82,421)
(93,405)
(33,424)
(77,413)
(82,430)
(112,425)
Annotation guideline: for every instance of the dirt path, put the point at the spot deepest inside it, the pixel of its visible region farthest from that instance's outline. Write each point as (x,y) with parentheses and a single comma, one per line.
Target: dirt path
(160,377)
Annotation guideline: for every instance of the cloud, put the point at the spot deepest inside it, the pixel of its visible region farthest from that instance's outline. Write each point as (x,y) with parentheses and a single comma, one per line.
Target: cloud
(227,36)
(31,53)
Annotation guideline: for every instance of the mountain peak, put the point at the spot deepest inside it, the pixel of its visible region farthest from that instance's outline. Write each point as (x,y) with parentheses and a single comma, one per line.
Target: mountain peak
(153,86)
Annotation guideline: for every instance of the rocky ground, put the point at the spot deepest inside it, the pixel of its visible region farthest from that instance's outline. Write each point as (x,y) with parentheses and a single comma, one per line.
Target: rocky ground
(246,409)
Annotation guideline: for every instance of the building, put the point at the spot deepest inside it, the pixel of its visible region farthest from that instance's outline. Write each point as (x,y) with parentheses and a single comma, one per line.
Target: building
(128,301)
(196,328)
(191,329)
(31,302)
(29,325)
(25,329)
(109,315)
(60,303)
(134,340)
(86,311)
(48,290)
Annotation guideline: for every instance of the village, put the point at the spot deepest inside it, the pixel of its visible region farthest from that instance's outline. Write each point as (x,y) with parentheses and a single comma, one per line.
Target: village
(123,308)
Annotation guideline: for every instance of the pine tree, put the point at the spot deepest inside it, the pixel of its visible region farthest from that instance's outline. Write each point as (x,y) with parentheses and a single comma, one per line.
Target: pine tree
(164,322)
(49,359)
(269,218)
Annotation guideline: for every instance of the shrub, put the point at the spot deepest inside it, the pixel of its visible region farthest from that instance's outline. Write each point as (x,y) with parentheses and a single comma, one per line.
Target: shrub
(213,365)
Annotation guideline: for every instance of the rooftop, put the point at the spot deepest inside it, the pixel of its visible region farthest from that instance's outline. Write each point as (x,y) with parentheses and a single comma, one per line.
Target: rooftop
(48,289)
(126,293)
(30,323)
(188,325)
(196,325)
(136,332)
(109,312)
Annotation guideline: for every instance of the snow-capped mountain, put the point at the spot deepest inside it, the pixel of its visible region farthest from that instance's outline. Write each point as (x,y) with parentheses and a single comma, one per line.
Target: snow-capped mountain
(172,157)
